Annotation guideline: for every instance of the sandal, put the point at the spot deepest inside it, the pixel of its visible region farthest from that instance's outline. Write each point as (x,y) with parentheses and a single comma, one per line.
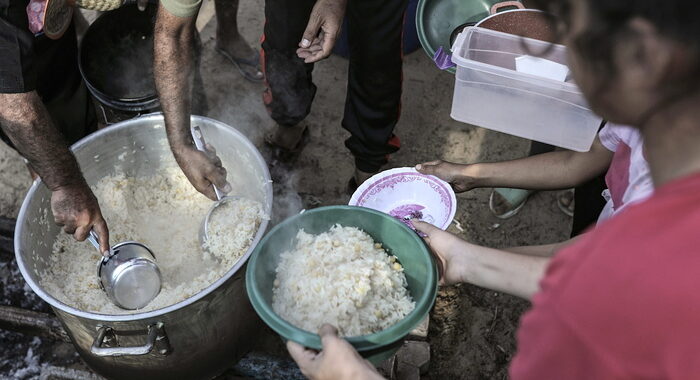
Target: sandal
(566,202)
(516,198)
(239,62)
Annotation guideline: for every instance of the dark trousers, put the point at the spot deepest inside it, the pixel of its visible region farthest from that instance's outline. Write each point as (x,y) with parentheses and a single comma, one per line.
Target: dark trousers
(373,101)
(61,87)
(589,204)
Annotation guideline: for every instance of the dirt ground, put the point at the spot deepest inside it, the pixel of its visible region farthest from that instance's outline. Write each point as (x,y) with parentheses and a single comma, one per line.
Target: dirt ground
(472,330)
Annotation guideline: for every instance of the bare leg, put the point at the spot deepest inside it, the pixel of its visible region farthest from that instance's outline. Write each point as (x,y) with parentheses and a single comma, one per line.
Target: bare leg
(361,176)
(230,41)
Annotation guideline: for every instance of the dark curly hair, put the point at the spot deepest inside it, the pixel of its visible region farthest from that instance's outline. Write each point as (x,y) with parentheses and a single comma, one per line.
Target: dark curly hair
(608,27)
(608,19)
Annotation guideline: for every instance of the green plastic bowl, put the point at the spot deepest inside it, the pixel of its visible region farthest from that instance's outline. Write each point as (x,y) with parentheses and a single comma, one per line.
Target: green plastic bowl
(399,240)
(436,19)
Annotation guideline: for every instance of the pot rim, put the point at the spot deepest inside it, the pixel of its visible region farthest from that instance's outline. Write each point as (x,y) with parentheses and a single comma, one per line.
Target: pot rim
(478,24)
(137,103)
(55,303)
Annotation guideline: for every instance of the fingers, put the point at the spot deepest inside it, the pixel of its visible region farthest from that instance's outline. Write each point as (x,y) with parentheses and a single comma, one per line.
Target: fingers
(81,233)
(302,356)
(218,178)
(328,43)
(431,167)
(210,152)
(315,48)
(428,229)
(332,343)
(303,54)
(311,31)
(425,228)
(69,228)
(100,227)
(328,334)
(207,191)
(204,168)
(321,48)
(440,262)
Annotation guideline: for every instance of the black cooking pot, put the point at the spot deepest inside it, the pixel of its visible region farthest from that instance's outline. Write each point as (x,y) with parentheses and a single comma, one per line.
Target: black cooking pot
(116,59)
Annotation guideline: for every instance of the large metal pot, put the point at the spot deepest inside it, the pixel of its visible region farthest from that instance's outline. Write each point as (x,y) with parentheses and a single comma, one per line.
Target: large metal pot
(196,338)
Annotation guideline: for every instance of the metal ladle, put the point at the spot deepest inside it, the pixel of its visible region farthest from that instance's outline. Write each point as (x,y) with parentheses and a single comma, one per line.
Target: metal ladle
(129,275)
(221,197)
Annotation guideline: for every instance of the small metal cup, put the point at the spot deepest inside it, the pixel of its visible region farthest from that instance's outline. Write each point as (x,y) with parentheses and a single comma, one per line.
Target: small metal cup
(129,276)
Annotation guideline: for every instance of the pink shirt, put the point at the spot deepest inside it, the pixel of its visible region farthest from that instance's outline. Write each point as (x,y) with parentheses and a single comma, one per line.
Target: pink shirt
(628,178)
(623,302)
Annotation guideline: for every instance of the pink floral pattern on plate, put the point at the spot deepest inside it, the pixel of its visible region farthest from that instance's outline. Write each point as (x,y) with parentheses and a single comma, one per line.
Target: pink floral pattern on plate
(391,181)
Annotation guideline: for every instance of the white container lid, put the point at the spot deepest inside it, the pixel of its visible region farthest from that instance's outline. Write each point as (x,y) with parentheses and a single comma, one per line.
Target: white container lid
(497,52)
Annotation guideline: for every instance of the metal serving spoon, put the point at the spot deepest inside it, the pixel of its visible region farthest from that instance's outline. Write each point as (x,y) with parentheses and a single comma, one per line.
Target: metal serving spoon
(221,197)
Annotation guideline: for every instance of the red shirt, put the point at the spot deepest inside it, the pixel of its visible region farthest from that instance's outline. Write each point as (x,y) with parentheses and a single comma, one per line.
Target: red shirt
(624,302)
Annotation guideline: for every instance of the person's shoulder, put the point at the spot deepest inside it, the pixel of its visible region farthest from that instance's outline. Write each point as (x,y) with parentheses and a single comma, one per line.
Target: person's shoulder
(634,240)
(633,279)
(647,244)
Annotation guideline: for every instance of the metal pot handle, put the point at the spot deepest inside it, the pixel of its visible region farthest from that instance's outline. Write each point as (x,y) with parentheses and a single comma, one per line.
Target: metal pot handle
(496,7)
(156,339)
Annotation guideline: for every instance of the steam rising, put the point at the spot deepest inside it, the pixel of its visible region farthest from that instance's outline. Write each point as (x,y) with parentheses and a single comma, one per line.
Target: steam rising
(286,200)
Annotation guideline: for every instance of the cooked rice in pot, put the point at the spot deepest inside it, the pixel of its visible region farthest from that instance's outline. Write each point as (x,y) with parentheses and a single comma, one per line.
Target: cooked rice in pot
(164,212)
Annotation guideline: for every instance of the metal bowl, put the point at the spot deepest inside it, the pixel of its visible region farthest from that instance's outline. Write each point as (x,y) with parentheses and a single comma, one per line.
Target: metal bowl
(436,19)
(195,338)
(130,276)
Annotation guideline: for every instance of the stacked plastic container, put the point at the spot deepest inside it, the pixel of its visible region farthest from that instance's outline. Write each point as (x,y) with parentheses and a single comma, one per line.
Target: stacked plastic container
(490,93)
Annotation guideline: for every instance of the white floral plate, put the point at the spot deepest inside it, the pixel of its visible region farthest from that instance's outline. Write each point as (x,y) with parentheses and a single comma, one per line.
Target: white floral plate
(406,194)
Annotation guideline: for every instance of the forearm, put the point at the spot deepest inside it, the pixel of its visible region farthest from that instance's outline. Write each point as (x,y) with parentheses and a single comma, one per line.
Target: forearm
(503,271)
(173,67)
(545,250)
(28,124)
(547,171)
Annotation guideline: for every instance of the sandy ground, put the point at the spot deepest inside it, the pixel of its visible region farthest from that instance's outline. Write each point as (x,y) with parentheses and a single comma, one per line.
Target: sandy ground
(472,330)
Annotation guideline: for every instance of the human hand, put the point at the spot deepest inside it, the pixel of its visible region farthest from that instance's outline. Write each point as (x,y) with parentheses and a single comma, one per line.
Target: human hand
(456,175)
(337,361)
(449,251)
(76,209)
(322,30)
(203,169)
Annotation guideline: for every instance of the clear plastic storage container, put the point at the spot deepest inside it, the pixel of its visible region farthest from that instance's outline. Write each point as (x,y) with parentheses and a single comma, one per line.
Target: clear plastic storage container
(490,93)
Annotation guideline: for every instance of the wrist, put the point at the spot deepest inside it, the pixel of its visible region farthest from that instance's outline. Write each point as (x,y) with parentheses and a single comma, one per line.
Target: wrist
(70,184)
(467,268)
(182,145)
(362,372)
(476,172)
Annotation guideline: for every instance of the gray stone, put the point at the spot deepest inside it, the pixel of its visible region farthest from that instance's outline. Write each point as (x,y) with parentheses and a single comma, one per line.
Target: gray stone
(414,354)
(421,331)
